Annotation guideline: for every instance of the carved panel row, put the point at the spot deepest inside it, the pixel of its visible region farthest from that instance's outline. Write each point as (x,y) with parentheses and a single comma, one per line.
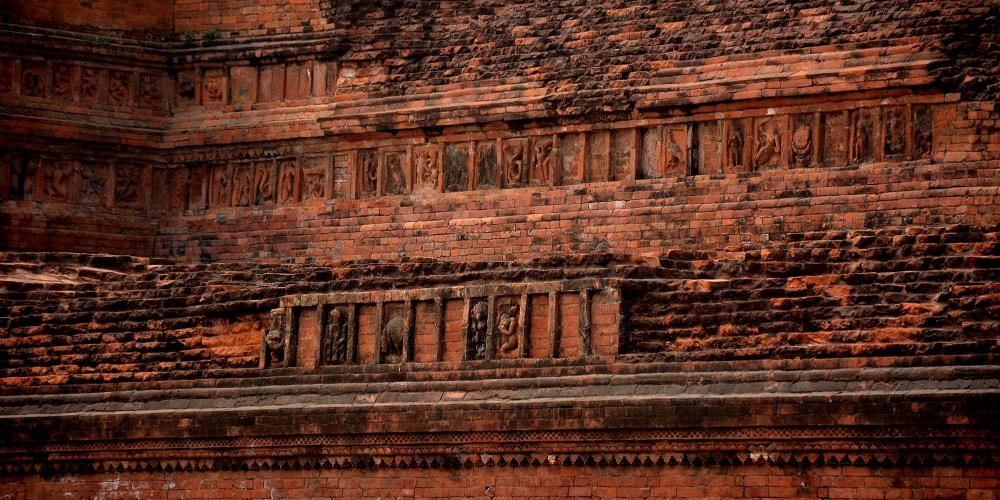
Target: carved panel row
(383,327)
(739,145)
(261,182)
(97,183)
(243,86)
(830,139)
(88,85)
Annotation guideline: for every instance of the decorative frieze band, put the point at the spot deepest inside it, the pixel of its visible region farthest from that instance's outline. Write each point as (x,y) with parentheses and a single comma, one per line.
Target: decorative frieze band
(388,327)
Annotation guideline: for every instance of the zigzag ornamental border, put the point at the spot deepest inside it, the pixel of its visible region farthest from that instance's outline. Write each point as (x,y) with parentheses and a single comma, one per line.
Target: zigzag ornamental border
(455,461)
(446,439)
(838,444)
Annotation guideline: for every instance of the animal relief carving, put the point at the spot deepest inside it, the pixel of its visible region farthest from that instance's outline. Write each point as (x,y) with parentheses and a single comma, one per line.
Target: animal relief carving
(394,337)
(263,182)
(314,182)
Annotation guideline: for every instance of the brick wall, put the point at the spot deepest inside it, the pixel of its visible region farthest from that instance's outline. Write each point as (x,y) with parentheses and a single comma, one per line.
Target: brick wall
(135,18)
(625,217)
(534,482)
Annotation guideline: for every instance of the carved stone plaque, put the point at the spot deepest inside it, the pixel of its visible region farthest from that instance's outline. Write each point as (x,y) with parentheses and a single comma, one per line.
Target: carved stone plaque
(367,173)
(488,175)
(33,78)
(456,167)
(315,172)
(220,187)
(802,141)
(515,162)
(427,169)
(836,138)
(923,125)
(894,133)
(243,184)
(128,185)
(120,88)
(288,182)
(263,182)
(542,164)
(768,142)
(864,136)
(673,153)
(396,178)
(710,156)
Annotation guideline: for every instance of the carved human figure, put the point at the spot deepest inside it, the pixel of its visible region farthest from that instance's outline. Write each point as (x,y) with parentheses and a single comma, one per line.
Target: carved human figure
(62,81)
(119,88)
(864,133)
(802,145)
(56,182)
(507,328)
(895,132)
(541,161)
(89,84)
(672,152)
(368,172)
(335,338)
(734,146)
(513,157)
(150,94)
(428,168)
(768,144)
(393,339)
(274,340)
(220,187)
(128,183)
(243,186)
(395,176)
(286,183)
(477,341)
